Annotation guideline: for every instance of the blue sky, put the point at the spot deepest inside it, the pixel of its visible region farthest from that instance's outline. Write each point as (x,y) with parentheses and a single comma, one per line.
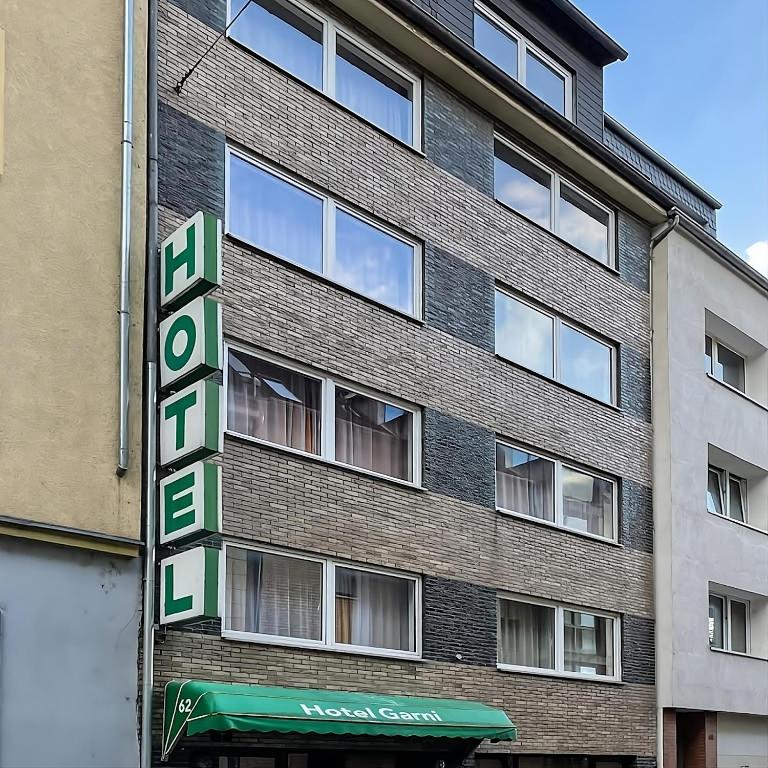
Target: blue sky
(695,87)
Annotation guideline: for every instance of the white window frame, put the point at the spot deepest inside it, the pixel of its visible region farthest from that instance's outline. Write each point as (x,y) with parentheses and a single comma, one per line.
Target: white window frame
(330,206)
(725,493)
(332,29)
(557,323)
(556,181)
(727,643)
(558,522)
(328,386)
(716,344)
(328,607)
(524,45)
(559,636)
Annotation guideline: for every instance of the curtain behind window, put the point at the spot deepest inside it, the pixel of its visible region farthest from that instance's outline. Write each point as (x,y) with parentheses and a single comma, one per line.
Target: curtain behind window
(374,610)
(527,635)
(524,483)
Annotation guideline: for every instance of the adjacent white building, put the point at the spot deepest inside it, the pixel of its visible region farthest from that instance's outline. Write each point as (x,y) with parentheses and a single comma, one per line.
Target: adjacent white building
(710,409)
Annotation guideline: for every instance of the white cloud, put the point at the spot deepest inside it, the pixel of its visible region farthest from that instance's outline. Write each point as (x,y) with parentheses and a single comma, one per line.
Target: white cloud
(757,256)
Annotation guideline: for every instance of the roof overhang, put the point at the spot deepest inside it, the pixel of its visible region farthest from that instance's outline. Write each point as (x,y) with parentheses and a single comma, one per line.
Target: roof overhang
(432,46)
(197,706)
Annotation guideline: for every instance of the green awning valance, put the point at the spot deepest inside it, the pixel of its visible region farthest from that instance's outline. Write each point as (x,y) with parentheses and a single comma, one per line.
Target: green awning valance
(196,706)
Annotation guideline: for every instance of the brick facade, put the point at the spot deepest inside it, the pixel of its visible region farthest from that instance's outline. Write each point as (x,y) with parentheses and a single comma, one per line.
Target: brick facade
(449,531)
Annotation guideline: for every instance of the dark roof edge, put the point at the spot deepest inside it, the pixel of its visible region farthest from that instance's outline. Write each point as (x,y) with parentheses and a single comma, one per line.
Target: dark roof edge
(613,50)
(596,148)
(732,259)
(652,154)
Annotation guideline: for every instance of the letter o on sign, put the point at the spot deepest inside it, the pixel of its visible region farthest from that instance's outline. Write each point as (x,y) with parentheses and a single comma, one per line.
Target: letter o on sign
(180,342)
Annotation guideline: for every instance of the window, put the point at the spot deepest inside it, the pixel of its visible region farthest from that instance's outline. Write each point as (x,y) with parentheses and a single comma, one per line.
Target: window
(295,600)
(542,196)
(520,59)
(302,411)
(552,347)
(726,494)
(551,490)
(724,364)
(540,636)
(728,624)
(313,48)
(285,219)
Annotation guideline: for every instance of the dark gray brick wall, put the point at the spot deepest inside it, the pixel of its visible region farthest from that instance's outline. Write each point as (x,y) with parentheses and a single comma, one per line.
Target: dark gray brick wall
(191,172)
(459,459)
(210,12)
(635,383)
(638,650)
(633,248)
(459,620)
(457,15)
(458,138)
(661,178)
(636,516)
(459,299)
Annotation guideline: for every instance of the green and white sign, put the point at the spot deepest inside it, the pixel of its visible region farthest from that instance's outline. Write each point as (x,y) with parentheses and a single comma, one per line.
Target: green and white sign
(190,504)
(190,261)
(191,424)
(189,586)
(191,343)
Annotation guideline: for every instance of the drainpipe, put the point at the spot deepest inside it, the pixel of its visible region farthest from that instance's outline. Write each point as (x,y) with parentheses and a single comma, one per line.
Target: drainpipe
(149,437)
(660,232)
(124,312)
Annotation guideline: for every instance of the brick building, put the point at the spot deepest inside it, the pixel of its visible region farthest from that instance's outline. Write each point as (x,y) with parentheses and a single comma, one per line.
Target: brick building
(437,460)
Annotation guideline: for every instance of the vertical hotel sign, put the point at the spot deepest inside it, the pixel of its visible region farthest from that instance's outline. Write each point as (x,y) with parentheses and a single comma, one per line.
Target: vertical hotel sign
(191,426)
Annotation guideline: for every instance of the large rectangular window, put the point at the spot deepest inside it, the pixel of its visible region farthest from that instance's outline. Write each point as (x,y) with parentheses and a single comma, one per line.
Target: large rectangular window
(292,407)
(308,44)
(541,195)
(728,624)
(724,364)
(551,490)
(551,346)
(297,600)
(284,218)
(547,637)
(519,58)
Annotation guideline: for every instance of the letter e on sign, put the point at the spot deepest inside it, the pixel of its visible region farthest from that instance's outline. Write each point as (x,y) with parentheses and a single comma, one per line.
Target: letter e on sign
(190,503)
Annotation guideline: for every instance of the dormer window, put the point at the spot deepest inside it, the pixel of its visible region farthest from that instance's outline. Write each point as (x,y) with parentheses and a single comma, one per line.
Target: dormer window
(512,53)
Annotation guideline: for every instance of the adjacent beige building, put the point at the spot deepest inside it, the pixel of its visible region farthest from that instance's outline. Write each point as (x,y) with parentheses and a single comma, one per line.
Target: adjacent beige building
(69,525)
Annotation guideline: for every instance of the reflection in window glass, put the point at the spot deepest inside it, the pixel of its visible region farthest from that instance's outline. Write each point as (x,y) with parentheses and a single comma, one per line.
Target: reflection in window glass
(585,363)
(273,403)
(374,610)
(526,635)
(522,185)
(373,91)
(708,367)
(524,482)
(583,224)
(738,626)
(716,620)
(714,491)
(524,335)
(730,367)
(496,45)
(283,34)
(736,503)
(587,643)
(273,595)
(547,84)
(374,435)
(274,215)
(373,262)
(587,502)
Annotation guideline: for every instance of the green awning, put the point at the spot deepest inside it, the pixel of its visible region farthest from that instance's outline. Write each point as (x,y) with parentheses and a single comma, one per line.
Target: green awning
(196,706)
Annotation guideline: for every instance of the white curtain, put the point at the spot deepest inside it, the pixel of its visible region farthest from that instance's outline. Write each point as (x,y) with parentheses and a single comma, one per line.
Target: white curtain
(374,610)
(373,435)
(274,595)
(588,643)
(273,404)
(527,635)
(527,487)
